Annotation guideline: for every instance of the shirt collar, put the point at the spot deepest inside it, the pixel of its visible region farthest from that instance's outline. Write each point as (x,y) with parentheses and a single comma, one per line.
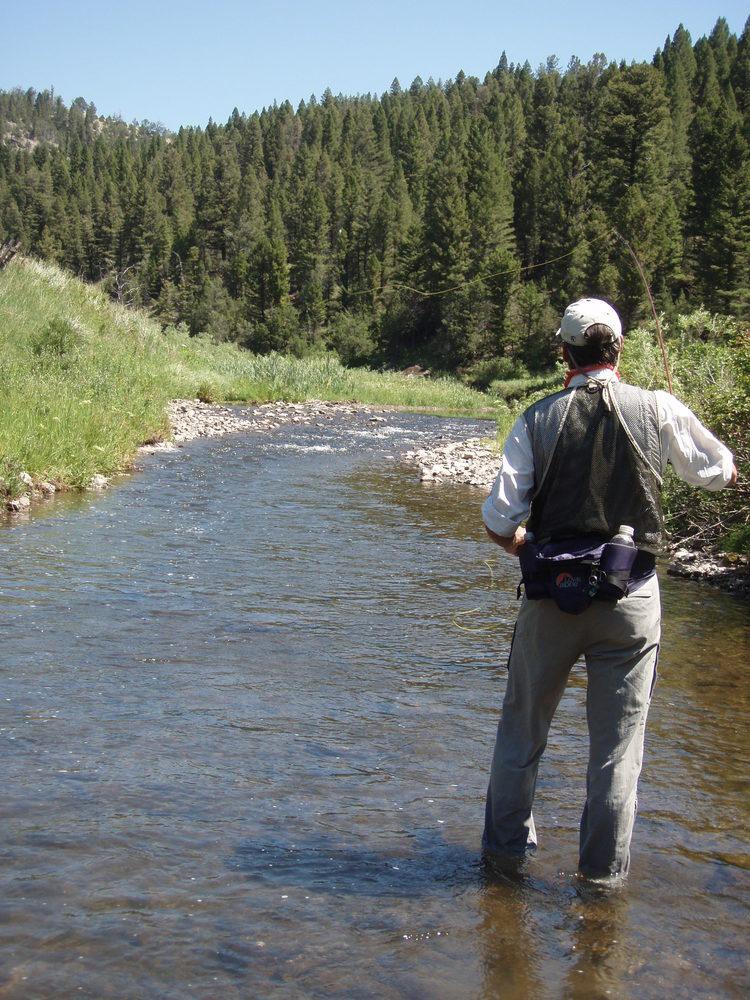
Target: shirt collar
(599,374)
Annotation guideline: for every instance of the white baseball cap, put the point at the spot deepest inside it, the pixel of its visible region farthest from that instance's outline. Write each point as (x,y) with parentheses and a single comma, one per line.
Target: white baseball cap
(580,315)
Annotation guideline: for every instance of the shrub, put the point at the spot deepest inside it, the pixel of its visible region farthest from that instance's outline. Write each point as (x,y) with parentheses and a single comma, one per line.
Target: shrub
(206,392)
(351,338)
(709,357)
(57,339)
(482,374)
(737,540)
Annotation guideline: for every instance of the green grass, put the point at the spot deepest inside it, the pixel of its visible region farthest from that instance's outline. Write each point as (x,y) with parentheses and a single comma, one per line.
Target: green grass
(84,381)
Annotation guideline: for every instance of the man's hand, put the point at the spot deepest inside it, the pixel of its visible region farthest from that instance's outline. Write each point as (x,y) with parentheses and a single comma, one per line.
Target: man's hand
(733,480)
(511,544)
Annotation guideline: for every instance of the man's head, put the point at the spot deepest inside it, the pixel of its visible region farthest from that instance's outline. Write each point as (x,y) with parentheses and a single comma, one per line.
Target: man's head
(591,333)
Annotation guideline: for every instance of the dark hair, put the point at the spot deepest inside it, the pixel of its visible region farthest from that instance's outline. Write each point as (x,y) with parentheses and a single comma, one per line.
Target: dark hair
(601,347)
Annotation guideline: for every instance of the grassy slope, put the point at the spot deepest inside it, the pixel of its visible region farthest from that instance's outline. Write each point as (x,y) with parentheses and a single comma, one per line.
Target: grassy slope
(85,381)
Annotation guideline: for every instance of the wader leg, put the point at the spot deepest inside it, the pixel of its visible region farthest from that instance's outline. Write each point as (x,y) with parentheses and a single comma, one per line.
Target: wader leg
(545,647)
(621,672)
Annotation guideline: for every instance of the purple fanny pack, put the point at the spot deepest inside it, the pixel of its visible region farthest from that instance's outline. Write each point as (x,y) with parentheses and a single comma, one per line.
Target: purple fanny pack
(576,571)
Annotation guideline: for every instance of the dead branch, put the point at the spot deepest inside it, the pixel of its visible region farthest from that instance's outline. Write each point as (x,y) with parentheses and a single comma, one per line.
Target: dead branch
(8,250)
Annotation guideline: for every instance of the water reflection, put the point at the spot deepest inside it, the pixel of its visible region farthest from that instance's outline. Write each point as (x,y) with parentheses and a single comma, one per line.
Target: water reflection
(510,942)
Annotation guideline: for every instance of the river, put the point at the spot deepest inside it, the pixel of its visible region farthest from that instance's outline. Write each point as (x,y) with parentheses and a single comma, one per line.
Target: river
(249,698)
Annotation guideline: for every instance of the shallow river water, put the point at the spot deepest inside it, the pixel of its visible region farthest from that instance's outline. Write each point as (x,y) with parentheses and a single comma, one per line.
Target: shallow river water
(248,704)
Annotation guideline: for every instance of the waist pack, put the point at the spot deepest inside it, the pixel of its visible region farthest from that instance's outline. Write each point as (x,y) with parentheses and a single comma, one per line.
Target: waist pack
(576,572)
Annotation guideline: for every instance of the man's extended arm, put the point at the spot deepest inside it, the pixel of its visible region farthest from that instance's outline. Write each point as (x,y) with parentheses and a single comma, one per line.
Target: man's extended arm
(697,457)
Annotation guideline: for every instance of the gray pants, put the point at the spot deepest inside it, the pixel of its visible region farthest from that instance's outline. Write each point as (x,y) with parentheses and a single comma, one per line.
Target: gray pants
(620,643)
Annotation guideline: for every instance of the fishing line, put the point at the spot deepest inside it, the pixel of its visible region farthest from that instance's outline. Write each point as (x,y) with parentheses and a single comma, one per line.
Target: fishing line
(493,625)
(499,274)
(480,277)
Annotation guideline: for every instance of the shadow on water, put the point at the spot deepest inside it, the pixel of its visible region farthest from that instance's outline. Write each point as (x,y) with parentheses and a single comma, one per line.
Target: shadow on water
(323,864)
(433,507)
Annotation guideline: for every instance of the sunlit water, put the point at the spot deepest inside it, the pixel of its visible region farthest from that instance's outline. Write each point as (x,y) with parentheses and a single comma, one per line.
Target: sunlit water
(246,719)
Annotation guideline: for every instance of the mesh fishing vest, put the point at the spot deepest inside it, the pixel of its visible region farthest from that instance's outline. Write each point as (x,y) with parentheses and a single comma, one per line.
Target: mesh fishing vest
(598,464)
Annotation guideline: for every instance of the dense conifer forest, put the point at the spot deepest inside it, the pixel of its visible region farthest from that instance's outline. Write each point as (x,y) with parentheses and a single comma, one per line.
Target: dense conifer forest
(334,225)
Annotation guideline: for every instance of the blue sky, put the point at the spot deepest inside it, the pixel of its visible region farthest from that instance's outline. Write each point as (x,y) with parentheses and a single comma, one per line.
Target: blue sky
(183,62)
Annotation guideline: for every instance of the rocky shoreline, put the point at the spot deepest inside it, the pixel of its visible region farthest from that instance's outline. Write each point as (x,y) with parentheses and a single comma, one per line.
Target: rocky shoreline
(191,419)
(476,463)
(472,462)
(729,572)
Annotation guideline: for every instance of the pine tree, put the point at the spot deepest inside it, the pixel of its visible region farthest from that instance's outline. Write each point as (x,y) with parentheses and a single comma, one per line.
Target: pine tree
(446,255)
(632,180)
(680,68)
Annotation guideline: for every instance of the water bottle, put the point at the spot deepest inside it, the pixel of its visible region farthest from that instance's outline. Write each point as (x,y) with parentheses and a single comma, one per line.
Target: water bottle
(624,536)
(618,558)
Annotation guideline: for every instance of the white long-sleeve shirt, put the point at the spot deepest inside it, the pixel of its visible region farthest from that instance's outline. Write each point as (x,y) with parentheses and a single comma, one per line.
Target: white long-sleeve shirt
(694,453)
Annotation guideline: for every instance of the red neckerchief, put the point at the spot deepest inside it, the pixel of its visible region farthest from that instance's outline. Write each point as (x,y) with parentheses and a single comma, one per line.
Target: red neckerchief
(571,374)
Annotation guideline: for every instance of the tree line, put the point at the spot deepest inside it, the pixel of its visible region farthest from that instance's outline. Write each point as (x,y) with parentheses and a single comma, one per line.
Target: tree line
(445,223)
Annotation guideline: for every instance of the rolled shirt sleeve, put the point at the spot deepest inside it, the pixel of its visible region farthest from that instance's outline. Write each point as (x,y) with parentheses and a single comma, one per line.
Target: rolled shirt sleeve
(509,503)
(697,457)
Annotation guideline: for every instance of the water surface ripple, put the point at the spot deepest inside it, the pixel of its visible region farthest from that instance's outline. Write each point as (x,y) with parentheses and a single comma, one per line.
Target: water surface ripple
(245,728)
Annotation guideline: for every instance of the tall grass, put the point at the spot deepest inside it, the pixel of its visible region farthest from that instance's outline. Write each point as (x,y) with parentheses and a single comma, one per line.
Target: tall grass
(84,381)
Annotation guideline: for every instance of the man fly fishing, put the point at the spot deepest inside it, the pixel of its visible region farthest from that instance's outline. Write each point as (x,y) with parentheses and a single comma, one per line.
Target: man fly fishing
(583,468)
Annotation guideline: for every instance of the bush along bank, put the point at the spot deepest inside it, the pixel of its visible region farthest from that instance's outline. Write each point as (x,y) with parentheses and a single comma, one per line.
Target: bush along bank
(86,381)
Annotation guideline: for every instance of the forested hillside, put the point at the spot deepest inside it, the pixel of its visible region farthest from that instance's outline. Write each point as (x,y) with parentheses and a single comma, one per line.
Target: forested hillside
(326,225)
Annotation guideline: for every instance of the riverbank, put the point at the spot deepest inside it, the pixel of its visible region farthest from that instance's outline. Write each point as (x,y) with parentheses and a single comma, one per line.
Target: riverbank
(475,463)
(191,419)
(727,571)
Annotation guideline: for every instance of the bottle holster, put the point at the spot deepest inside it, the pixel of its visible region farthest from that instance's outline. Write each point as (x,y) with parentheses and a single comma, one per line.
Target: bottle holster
(574,573)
